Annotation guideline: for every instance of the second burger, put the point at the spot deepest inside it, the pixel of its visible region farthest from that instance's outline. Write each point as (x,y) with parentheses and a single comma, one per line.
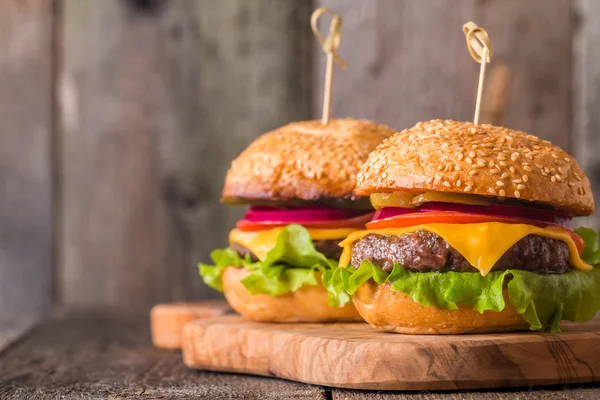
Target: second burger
(298,182)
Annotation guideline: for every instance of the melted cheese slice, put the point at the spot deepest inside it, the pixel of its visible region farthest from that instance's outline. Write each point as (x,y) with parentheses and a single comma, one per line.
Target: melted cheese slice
(481,245)
(260,242)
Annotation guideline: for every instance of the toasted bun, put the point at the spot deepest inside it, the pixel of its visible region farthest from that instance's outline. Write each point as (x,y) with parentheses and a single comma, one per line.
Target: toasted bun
(304,160)
(307,304)
(460,157)
(392,311)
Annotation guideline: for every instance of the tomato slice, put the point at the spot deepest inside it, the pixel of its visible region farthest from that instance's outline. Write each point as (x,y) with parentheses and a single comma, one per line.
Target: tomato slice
(450,217)
(355,222)
(579,243)
(441,217)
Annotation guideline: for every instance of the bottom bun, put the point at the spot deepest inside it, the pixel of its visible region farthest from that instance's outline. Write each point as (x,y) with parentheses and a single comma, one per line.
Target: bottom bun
(307,304)
(392,311)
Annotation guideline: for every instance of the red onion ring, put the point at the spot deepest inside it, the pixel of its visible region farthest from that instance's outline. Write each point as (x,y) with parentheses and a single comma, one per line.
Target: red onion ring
(536,215)
(272,215)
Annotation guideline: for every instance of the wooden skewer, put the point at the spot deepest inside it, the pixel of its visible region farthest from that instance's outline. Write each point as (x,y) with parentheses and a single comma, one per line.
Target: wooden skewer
(480,86)
(329,45)
(480,48)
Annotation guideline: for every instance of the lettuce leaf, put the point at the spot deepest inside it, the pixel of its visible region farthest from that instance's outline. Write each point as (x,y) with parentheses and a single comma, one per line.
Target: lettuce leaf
(291,264)
(543,300)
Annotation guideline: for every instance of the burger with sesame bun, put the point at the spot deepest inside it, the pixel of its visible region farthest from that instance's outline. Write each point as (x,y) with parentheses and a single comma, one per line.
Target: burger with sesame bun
(298,182)
(472,233)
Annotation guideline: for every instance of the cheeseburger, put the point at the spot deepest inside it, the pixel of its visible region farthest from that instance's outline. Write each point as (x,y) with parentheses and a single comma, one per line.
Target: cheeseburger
(298,182)
(472,233)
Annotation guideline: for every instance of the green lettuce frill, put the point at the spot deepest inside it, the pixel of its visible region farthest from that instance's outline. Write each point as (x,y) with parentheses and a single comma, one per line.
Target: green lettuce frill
(291,264)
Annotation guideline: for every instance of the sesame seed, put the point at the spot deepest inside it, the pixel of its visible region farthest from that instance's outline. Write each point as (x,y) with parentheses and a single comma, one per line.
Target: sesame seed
(502,163)
(460,156)
(517,194)
(560,170)
(520,187)
(438,177)
(494,171)
(492,190)
(472,172)
(499,183)
(440,167)
(458,183)
(457,168)
(554,155)
(491,163)
(558,178)
(525,178)
(430,179)
(527,168)
(469,160)
(546,170)
(517,181)
(571,184)
(472,154)
(447,184)
(502,193)
(567,159)
(577,176)
(445,146)
(514,158)
(468,188)
(553,178)
(512,169)
(481,162)
(504,176)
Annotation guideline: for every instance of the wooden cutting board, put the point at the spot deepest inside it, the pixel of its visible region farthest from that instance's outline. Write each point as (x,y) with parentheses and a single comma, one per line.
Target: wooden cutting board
(167,320)
(354,355)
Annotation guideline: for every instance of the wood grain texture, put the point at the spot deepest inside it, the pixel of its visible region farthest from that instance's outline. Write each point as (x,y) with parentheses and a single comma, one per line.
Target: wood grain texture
(156,98)
(167,320)
(12,327)
(573,392)
(407,62)
(357,356)
(25,156)
(97,356)
(586,118)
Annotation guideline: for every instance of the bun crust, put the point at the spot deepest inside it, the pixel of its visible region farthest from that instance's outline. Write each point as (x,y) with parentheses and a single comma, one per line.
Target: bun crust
(304,160)
(307,304)
(392,311)
(460,157)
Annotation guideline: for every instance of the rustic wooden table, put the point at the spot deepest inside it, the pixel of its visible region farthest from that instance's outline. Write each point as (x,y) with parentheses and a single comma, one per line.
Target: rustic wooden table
(94,355)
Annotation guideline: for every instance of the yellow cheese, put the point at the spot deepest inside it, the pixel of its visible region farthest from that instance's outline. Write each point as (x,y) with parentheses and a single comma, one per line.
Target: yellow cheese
(260,242)
(481,245)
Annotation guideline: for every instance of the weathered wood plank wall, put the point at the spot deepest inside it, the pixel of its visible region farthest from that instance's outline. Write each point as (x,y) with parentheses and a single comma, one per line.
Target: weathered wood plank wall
(157,98)
(586,105)
(25,156)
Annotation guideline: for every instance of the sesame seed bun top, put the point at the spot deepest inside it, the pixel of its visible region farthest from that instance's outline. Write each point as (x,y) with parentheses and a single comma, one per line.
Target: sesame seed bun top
(460,157)
(304,160)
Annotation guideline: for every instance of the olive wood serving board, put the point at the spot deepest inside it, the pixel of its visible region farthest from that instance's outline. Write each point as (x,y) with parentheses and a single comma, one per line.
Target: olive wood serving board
(167,320)
(354,355)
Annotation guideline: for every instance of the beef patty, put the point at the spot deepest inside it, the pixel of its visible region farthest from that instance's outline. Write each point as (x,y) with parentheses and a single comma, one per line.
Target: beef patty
(330,248)
(424,251)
